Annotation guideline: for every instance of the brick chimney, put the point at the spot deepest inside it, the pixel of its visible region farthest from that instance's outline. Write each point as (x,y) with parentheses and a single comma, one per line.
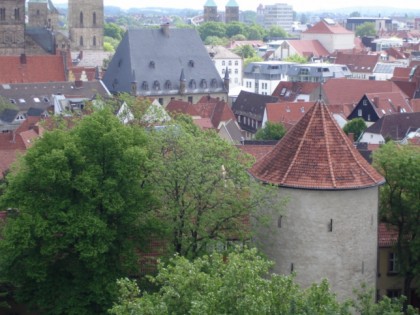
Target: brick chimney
(165,29)
(78,84)
(376,101)
(23,59)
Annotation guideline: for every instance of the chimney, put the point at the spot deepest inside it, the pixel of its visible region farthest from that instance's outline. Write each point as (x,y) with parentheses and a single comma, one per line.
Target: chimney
(23,59)
(351,136)
(78,84)
(399,109)
(376,101)
(165,29)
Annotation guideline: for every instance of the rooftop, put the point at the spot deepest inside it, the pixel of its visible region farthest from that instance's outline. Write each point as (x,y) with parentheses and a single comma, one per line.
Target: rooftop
(316,154)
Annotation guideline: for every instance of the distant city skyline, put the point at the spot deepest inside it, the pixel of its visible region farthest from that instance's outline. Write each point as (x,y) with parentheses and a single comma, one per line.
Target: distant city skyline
(298,5)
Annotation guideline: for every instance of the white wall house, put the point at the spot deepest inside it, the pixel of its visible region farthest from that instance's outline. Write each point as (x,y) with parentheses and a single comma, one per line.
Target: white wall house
(224,59)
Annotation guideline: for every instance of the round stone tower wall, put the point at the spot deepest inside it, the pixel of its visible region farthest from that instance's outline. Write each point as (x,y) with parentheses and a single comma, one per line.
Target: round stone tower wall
(326,234)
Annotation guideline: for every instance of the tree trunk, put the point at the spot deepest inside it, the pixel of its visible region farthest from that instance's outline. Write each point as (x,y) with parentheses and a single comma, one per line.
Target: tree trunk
(407,292)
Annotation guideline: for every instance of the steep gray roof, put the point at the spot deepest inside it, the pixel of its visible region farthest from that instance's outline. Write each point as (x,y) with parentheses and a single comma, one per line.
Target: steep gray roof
(158,58)
(8,115)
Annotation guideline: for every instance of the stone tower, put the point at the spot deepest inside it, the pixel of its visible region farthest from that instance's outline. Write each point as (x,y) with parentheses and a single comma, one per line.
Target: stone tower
(210,11)
(86,23)
(232,11)
(330,226)
(12,27)
(42,13)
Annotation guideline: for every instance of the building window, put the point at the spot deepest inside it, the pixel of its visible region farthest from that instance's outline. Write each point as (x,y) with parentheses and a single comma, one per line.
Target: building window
(2,14)
(236,62)
(94,18)
(223,71)
(364,102)
(192,84)
(168,84)
(81,19)
(156,85)
(392,263)
(223,63)
(392,294)
(230,62)
(17,14)
(236,71)
(94,40)
(359,112)
(81,41)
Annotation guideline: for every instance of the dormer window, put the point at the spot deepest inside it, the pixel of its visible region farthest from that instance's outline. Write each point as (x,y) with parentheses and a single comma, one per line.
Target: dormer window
(168,85)
(192,84)
(191,63)
(152,64)
(203,83)
(213,83)
(156,85)
(145,86)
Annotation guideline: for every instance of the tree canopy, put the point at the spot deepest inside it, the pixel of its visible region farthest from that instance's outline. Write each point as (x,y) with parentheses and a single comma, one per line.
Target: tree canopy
(82,211)
(207,196)
(400,204)
(238,283)
(366,29)
(355,126)
(271,131)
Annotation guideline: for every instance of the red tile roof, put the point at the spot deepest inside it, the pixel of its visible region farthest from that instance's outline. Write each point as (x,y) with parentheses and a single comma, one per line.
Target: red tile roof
(43,68)
(316,154)
(309,48)
(350,91)
(181,107)
(415,105)
(288,113)
(323,27)
(362,63)
(389,103)
(401,74)
(217,110)
(290,91)
(387,235)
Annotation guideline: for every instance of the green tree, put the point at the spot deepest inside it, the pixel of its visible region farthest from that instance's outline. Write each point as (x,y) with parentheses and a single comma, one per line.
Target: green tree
(6,104)
(400,204)
(366,29)
(235,28)
(245,51)
(256,32)
(216,41)
(205,191)
(114,31)
(81,212)
(355,126)
(247,61)
(212,29)
(355,14)
(271,131)
(239,37)
(296,58)
(277,32)
(238,283)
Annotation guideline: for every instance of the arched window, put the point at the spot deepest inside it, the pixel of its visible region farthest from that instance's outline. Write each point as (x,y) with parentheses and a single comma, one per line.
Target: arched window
(81,19)
(145,86)
(81,41)
(168,85)
(94,40)
(156,85)
(17,14)
(203,83)
(213,83)
(192,84)
(94,18)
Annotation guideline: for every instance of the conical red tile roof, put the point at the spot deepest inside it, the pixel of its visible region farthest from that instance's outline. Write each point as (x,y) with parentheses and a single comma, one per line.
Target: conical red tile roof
(316,154)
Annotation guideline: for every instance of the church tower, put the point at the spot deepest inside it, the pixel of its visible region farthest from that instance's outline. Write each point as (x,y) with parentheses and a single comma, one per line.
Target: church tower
(86,23)
(12,27)
(232,11)
(210,11)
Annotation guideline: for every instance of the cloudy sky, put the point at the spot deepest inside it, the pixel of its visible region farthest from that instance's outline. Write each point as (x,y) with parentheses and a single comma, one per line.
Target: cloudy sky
(298,5)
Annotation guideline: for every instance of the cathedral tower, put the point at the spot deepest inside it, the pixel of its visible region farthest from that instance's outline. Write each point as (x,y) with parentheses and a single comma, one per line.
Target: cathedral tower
(86,23)
(12,27)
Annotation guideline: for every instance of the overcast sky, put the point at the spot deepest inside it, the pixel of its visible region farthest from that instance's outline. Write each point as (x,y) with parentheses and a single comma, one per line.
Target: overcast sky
(298,5)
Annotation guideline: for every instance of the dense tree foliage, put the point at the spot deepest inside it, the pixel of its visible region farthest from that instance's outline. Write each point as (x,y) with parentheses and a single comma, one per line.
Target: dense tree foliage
(245,51)
(237,283)
(296,58)
(271,131)
(206,194)
(81,213)
(400,204)
(114,31)
(366,29)
(355,126)
(277,32)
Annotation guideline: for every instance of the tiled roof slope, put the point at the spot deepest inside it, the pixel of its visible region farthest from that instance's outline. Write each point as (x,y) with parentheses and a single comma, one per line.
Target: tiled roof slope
(31,69)
(290,91)
(395,126)
(358,62)
(309,48)
(323,27)
(316,154)
(350,91)
(389,103)
(387,235)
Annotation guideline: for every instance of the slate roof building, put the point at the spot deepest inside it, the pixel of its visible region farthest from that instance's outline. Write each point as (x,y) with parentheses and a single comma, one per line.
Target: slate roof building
(329,228)
(166,64)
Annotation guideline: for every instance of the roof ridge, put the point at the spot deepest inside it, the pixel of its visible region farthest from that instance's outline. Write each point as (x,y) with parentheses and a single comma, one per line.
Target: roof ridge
(327,144)
(299,147)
